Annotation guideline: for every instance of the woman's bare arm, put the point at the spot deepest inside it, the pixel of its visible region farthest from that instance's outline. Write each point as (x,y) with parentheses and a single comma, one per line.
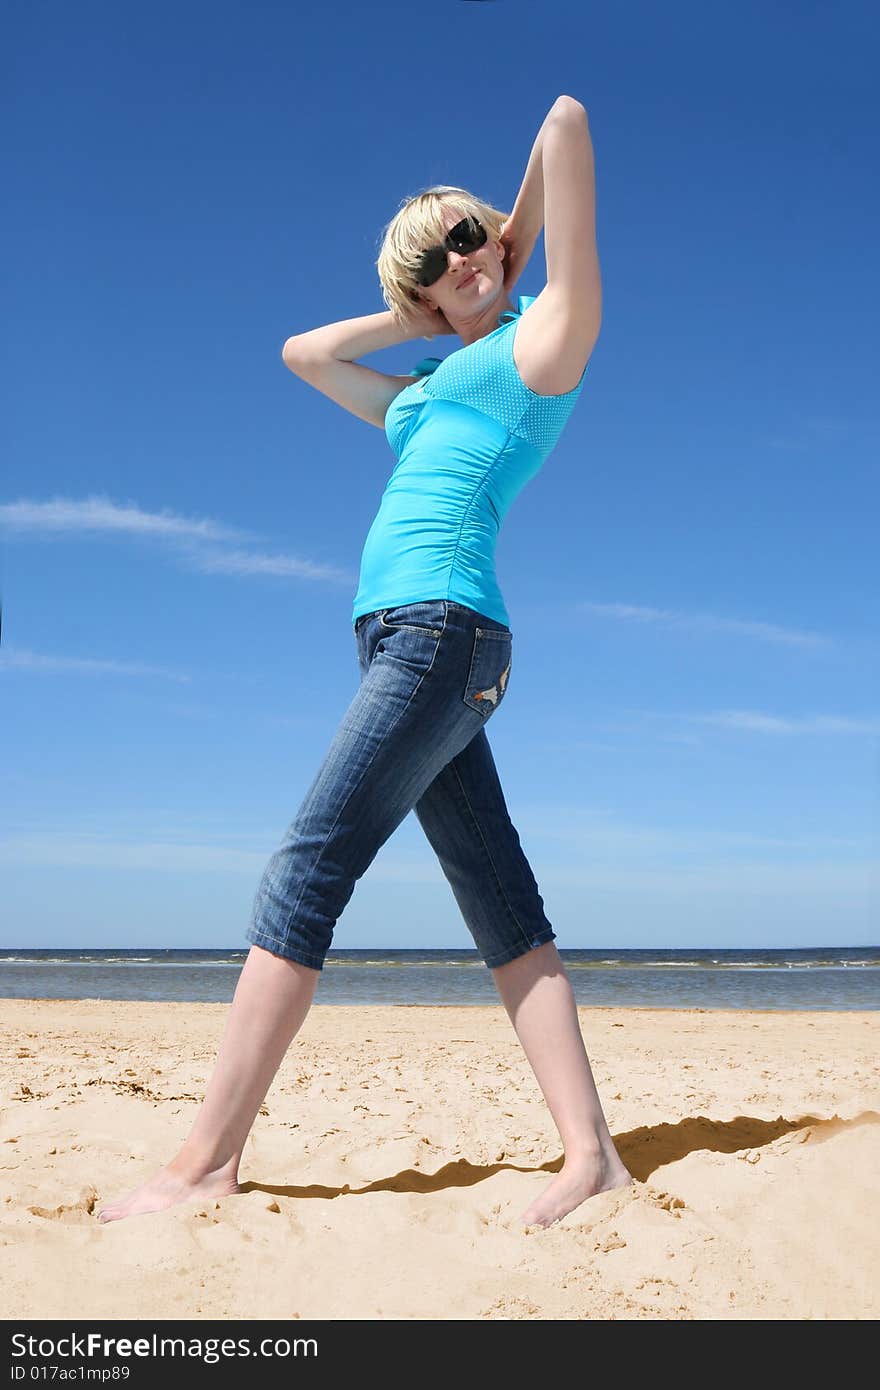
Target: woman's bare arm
(573,274)
(558,332)
(324,357)
(523,227)
(348,339)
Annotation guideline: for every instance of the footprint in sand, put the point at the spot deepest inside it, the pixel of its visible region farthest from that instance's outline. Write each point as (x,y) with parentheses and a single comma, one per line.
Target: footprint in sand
(75,1213)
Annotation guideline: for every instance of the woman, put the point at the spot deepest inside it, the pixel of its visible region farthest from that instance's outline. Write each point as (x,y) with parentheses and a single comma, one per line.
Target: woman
(434,648)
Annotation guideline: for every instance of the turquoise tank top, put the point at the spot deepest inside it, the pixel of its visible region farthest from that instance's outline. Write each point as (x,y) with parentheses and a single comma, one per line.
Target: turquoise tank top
(468,435)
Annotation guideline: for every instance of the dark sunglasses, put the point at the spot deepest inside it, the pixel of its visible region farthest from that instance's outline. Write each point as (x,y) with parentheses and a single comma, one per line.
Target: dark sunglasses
(466,236)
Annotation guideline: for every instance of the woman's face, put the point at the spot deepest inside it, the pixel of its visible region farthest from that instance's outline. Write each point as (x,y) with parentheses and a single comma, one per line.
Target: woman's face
(471,281)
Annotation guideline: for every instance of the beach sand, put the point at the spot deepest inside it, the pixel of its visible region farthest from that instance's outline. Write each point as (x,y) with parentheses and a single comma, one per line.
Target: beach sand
(398,1146)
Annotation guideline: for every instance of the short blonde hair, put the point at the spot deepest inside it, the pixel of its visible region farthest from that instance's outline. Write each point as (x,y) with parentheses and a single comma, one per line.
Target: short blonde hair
(420,223)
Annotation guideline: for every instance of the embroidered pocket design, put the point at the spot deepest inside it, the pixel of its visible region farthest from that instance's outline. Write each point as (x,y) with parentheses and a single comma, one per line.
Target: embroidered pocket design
(492,694)
(489,669)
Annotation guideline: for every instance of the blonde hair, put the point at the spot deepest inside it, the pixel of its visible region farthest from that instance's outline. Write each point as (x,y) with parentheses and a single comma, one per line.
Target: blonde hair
(418,224)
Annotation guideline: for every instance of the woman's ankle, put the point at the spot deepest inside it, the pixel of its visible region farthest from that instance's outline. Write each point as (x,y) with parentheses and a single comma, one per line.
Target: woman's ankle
(595,1144)
(193,1165)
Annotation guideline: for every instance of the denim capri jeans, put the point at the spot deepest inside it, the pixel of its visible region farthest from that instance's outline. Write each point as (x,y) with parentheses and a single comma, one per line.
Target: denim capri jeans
(413,739)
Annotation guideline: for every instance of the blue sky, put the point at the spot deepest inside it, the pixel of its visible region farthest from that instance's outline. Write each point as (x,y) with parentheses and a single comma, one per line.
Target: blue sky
(690,743)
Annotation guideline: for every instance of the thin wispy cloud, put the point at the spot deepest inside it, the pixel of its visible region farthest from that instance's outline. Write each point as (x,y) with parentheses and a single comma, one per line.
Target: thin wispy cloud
(753,721)
(841,886)
(705,622)
(600,836)
(780,441)
(201,854)
(652,722)
(96,514)
(624,860)
(253,562)
(818,431)
(200,542)
(24,660)
(83,851)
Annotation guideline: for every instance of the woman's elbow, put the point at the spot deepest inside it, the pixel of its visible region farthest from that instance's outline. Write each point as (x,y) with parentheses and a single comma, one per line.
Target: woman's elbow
(567,103)
(289,352)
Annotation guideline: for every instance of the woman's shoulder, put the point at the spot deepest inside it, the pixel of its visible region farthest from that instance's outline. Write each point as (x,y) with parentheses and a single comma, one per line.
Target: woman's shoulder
(550,352)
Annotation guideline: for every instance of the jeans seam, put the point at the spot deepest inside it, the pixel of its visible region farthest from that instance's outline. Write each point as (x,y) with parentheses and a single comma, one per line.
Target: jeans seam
(365,772)
(412,627)
(281,941)
(513,916)
(503,957)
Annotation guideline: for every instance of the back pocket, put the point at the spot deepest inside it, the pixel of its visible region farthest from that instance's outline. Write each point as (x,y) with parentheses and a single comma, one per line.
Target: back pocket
(490,669)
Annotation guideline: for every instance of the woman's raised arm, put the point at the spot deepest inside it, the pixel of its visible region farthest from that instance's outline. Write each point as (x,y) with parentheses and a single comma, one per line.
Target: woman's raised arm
(348,339)
(570,216)
(558,332)
(523,227)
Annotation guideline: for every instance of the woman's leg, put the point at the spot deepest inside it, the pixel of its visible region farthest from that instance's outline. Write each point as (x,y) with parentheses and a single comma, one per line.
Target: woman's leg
(539,1000)
(405,722)
(271,1000)
(465,817)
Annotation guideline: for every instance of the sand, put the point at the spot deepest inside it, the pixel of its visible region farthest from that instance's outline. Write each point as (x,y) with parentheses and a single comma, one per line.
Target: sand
(397,1148)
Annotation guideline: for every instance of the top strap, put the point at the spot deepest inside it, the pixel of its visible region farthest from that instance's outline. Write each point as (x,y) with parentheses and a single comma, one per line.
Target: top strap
(426,366)
(510,314)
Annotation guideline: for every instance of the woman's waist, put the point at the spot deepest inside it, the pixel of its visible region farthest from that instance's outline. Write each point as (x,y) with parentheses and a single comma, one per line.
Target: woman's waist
(439,513)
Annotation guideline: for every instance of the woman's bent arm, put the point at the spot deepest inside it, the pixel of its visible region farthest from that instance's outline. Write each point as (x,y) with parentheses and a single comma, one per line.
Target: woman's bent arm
(323,359)
(573,273)
(523,226)
(347,340)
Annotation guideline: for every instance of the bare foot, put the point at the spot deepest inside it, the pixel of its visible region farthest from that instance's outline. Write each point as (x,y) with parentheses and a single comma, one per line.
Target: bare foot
(168,1189)
(580,1177)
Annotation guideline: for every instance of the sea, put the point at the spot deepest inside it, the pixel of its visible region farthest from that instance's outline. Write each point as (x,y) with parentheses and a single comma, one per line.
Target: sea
(825,977)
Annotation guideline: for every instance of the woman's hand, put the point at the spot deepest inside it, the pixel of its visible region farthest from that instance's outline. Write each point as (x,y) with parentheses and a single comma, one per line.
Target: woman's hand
(507,240)
(518,240)
(424,320)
